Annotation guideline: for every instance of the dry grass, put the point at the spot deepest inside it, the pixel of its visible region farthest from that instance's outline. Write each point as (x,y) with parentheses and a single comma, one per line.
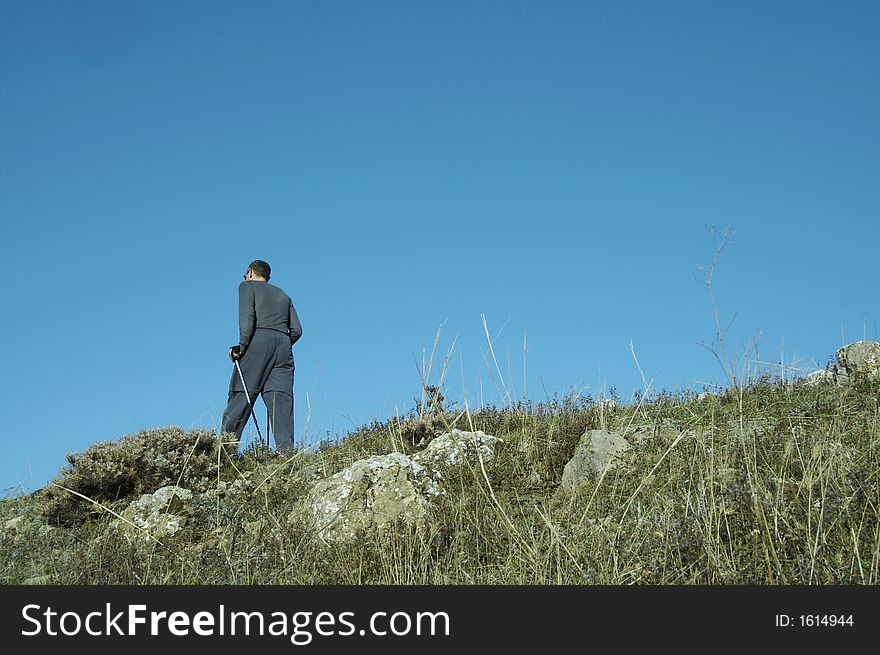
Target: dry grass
(770,483)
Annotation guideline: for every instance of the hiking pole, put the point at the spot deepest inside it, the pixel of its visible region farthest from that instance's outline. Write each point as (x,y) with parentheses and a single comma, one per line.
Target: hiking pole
(269,425)
(248,396)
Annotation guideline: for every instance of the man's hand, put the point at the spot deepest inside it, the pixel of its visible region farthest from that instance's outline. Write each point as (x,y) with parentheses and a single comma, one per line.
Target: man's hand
(235,353)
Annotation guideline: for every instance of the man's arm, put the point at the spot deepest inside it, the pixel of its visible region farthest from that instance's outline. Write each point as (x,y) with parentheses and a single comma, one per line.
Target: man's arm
(247,315)
(295,327)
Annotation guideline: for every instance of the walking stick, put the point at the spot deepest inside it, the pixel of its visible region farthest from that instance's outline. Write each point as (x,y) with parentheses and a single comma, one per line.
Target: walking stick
(248,396)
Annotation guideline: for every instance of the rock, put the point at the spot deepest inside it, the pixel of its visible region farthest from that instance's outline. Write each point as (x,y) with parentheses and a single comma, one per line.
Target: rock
(160,514)
(370,496)
(456,446)
(819,377)
(12,524)
(230,490)
(597,450)
(861,360)
(750,427)
(638,434)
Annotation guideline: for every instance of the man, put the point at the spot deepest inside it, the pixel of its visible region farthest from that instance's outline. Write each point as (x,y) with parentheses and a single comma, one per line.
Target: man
(268,327)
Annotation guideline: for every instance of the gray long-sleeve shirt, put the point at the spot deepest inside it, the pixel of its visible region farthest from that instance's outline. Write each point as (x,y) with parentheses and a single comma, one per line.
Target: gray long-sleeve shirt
(263,305)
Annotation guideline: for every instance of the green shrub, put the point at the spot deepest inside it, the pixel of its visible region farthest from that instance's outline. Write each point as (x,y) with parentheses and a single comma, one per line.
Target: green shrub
(109,471)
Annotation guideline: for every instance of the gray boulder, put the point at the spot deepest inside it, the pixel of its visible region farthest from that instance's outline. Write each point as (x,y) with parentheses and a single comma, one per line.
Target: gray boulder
(456,446)
(370,496)
(861,360)
(158,515)
(596,451)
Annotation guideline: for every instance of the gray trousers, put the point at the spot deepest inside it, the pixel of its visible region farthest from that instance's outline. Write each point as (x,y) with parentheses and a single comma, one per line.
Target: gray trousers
(267,367)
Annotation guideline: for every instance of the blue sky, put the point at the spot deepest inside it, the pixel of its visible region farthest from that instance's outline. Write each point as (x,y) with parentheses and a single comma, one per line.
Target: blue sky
(405,165)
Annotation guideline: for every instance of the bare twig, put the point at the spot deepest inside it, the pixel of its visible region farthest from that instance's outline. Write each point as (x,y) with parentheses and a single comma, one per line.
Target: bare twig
(707,275)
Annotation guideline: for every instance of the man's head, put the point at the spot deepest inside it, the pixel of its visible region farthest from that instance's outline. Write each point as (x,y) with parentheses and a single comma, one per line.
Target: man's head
(260,269)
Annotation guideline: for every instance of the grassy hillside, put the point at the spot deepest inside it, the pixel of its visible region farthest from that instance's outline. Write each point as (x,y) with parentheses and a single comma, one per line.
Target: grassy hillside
(771,484)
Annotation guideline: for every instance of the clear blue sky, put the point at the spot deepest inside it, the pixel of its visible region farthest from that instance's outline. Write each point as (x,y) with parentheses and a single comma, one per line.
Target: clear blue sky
(402,165)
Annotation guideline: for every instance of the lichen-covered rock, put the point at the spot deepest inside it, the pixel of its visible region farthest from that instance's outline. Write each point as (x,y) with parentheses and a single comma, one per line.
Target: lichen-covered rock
(861,360)
(819,377)
(158,515)
(231,491)
(456,446)
(596,451)
(645,432)
(370,496)
(12,524)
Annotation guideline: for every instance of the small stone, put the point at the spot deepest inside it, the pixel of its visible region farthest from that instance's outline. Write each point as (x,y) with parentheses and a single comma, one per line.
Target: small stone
(12,524)
(159,514)
(456,446)
(597,451)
